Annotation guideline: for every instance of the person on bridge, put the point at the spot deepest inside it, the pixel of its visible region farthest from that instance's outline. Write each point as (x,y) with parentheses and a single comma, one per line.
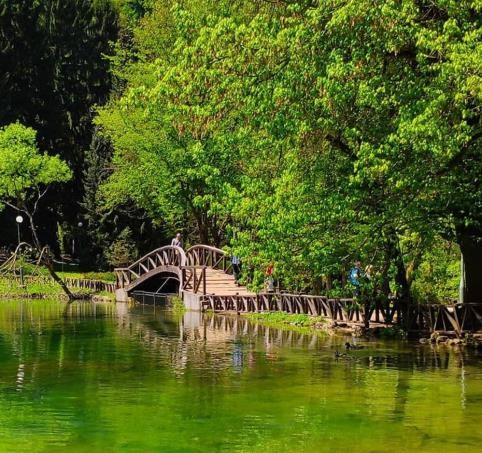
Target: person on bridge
(269,281)
(269,270)
(177,240)
(236,262)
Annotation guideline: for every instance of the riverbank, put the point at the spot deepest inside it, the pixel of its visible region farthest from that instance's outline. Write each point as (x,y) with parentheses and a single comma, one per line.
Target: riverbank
(42,287)
(304,323)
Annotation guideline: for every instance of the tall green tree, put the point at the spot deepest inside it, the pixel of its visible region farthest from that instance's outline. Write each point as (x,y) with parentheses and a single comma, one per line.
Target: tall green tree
(169,158)
(314,131)
(25,177)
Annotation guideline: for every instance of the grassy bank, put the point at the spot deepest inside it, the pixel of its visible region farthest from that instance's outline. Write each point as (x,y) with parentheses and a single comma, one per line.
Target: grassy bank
(12,287)
(108,277)
(40,287)
(297,322)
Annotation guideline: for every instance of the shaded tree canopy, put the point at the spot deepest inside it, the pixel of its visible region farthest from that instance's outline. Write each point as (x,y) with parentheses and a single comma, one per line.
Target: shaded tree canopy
(53,71)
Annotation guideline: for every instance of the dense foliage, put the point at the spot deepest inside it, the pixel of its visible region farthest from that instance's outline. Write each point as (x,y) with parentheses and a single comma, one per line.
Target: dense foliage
(306,133)
(296,132)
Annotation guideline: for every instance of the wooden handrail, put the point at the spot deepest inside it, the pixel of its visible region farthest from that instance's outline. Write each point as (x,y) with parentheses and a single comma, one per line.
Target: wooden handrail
(193,280)
(169,255)
(165,248)
(209,256)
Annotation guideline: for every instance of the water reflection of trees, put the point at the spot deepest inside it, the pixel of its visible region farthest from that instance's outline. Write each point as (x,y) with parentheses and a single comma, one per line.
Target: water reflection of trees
(199,339)
(383,379)
(206,338)
(213,358)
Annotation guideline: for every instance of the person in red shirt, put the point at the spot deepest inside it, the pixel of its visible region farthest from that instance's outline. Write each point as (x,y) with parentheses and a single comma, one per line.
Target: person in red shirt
(269,278)
(269,270)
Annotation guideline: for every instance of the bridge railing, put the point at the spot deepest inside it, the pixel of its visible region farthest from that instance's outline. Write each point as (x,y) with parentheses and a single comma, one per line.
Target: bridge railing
(123,277)
(336,309)
(169,255)
(194,279)
(458,318)
(206,255)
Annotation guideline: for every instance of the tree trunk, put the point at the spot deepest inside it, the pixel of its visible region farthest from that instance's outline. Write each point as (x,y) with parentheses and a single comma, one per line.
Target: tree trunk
(47,260)
(413,266)
(471,269)
(403,286)
(203,228)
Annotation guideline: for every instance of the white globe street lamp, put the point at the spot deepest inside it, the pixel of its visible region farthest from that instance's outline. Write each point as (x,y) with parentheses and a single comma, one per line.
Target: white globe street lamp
(80,225)
(19,220)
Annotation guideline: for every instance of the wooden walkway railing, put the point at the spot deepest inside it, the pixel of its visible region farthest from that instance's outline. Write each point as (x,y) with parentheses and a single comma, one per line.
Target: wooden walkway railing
(456,318)
(346,310)
(93,285)
(205,255)
(79,283)
(194,279)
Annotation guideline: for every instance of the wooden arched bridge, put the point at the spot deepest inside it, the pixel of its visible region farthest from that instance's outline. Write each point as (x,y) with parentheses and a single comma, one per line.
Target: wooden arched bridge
(202,276)
(198,271)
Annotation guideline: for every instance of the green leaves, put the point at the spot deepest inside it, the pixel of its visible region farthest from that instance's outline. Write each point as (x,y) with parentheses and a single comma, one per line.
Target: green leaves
(308,132)
(23,167)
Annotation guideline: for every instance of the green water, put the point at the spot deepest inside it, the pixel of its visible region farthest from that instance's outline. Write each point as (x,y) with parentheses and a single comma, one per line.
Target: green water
(107,378)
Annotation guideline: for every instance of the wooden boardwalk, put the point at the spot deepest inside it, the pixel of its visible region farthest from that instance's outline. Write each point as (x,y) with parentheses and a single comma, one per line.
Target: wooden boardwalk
(205,274)
(219,282)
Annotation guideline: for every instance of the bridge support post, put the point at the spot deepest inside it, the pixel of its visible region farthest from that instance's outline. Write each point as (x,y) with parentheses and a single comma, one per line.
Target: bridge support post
(121,295)
(191,301)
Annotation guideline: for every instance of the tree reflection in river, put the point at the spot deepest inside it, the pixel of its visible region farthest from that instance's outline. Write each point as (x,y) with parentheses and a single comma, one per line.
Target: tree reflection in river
(106,376)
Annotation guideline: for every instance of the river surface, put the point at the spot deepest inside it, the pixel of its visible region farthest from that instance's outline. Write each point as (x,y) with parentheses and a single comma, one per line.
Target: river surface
(107,378)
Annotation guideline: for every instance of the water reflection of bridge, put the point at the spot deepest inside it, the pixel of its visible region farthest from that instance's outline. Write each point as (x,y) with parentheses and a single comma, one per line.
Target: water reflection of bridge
(203,337)
(217,329)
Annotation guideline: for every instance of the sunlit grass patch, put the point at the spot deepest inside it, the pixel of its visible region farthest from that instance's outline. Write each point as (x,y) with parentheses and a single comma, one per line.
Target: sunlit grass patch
(302,323)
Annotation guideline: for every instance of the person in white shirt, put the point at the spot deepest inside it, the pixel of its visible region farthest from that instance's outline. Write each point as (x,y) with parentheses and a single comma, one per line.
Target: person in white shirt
(177,240)
(236,262)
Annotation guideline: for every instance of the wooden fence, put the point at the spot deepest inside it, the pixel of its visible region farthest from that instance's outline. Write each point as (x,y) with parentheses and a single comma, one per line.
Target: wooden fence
(92,285)
(458,318)
(79,283)
(346,310)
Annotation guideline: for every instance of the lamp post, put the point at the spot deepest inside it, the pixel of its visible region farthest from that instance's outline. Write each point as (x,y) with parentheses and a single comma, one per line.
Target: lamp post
(19,220)
(80,225)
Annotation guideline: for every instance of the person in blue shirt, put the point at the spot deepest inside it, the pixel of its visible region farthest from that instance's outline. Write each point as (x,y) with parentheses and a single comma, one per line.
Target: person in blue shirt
(354,277)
